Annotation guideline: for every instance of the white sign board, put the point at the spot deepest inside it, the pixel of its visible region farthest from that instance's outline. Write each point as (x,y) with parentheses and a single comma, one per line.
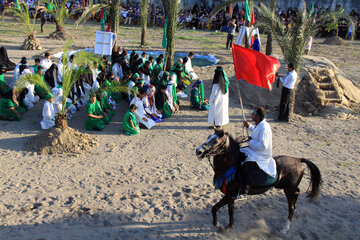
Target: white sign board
(104,42)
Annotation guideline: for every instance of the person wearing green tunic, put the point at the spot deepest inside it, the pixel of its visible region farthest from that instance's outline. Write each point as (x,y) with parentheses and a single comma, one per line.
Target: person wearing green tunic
(104,103)
(161,102)
(100,110)
(129,124)
(94,119)
(197,99)
(9,109)
(4,88)
(34,68)
(39,90)
(156,70)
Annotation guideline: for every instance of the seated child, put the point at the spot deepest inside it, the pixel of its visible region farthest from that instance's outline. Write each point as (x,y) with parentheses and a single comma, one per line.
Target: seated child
(129,124)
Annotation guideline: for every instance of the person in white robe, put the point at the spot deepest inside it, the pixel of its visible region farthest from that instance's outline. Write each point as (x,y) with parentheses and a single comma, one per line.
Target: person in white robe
(49,112)
(141,115)
(60,66)
(259,152)
(46,62)
(189,68)
(149,105)
(17,71)
(117,70)
(30,97)
(219,99)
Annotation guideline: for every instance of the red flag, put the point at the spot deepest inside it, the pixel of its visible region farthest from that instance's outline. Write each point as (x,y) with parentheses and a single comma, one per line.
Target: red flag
(108,27)
(230,8)
(254,67)
(252,18)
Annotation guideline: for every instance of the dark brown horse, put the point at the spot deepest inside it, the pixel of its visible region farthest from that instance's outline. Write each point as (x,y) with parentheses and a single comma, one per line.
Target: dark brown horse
(227,163)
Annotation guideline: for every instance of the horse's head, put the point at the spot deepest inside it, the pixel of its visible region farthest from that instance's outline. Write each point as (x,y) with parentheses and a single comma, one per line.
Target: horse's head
(216,144)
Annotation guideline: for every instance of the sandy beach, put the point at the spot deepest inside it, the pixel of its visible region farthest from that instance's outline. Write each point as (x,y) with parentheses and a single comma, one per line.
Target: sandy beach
(152,186)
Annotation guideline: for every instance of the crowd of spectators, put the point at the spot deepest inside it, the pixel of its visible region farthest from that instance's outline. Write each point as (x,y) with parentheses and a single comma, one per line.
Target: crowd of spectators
(197,17)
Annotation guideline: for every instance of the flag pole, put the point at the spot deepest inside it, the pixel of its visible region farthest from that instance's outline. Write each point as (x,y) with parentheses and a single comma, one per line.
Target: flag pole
(242,108)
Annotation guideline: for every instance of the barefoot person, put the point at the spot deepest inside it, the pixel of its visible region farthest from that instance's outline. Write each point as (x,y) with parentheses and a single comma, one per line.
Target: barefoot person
(219,99)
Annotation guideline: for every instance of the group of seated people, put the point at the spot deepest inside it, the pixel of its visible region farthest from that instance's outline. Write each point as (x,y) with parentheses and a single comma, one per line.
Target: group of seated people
(152,93)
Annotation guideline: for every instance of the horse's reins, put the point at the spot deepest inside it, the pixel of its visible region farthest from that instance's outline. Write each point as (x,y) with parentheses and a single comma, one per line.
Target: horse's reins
(220,150)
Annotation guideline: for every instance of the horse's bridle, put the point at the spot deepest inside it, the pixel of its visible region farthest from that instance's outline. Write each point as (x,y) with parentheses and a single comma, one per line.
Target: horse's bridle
(220,149)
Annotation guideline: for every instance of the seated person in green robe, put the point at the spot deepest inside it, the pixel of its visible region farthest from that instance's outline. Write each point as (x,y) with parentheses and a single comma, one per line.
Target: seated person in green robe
(104,103)
(156,71)
(129,124)
(9,108)
(94,119)
(197,99)
(4,87)
(100,109)
(162,102)
(39,90)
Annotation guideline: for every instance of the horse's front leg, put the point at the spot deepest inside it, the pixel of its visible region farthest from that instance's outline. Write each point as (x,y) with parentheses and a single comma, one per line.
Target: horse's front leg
(231,212)
(217,206)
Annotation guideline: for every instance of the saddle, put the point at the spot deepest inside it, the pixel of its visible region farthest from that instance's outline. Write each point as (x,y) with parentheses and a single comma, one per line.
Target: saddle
(258,178)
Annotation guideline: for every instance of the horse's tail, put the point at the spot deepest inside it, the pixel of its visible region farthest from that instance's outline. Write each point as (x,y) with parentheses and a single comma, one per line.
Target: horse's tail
(315,180)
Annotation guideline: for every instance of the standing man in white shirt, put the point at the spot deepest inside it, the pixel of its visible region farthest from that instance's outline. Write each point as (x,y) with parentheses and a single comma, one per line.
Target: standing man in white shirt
(46,62)
(288,83)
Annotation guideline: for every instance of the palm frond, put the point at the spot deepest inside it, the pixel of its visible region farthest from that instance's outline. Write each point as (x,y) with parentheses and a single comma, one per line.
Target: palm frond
(60,12)
(88,12)
(115,87)
(31,79)
(23,16)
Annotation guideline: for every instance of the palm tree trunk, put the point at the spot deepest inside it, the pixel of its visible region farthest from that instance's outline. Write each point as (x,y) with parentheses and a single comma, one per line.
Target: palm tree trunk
(171,11)
(114,18)
(61,121)
(269,44)
(59,28)
(269,35)
(144,5)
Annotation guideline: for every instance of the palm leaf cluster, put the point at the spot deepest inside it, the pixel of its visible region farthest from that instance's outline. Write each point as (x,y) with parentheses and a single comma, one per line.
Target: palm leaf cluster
(23,16)
(59,13)
(70,75)
(88,12)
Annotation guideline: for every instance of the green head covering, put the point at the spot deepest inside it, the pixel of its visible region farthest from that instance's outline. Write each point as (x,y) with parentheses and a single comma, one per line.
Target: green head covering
(48,96)
(135,76)
(227,83)
(23,60)
(178,66)
(141,81)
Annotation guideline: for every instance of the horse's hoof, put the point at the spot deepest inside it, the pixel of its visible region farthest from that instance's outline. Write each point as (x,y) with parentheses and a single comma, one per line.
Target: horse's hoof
(286,227)
(219,228)
(230,226)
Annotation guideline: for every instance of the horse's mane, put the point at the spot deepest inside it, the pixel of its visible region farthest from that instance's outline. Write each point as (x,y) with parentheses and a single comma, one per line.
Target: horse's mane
(234,146)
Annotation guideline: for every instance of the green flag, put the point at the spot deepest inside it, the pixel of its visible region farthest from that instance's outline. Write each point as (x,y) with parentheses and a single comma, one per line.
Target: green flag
(17,5)
(247,11)
(164,42)
(102,19)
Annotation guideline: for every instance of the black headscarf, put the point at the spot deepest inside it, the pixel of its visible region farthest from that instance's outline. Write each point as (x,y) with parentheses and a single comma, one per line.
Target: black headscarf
(160,99)
(4,59)
(51,76)
(219,79)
